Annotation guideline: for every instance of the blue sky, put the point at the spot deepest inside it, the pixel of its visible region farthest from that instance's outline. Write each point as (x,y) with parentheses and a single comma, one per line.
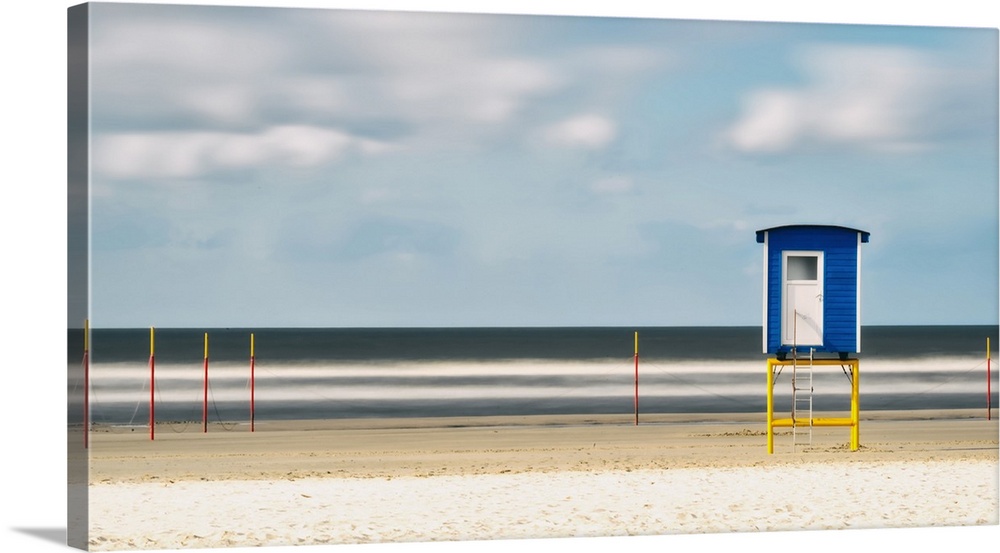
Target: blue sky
(318,167)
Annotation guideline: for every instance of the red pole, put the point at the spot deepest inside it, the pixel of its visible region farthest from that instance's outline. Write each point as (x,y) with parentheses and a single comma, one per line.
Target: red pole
(152,387)
(637,379)
(251,384)
(204,404)
(86,383)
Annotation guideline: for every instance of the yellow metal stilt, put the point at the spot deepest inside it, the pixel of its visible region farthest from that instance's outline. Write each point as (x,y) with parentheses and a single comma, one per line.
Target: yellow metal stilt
(854,421)
(770,406)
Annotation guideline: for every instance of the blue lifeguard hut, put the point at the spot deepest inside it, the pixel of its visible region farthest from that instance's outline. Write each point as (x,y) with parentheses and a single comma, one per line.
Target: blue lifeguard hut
(812,289)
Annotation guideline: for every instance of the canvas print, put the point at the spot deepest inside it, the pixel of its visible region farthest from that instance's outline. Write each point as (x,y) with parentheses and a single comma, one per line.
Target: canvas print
(343,276)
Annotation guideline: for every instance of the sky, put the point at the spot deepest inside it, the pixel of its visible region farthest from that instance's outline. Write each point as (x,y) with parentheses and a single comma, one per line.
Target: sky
(255,166)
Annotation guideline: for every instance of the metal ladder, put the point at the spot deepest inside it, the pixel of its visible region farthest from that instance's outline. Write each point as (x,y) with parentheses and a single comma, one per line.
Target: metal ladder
(802,398)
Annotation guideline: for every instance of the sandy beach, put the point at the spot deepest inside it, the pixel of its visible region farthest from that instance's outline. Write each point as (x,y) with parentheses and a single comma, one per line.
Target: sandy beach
(448,479)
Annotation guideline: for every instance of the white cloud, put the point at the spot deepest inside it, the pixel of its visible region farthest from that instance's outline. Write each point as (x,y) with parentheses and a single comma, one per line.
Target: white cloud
(428,80)
(583,131)
(315,93)
(463,89)
(773,121)
(176,43)
(866,97)
(169,64)
(437,69)
(188,154)
(232,103)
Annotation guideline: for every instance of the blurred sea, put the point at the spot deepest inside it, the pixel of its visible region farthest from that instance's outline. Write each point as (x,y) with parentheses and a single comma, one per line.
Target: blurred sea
(324,373)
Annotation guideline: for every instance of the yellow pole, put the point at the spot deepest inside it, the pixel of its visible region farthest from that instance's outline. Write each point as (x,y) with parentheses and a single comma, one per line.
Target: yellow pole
(770,409)
(855,406)
(637,378)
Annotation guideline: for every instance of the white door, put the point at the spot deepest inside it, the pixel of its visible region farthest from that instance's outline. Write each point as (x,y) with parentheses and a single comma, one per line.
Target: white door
(802,306)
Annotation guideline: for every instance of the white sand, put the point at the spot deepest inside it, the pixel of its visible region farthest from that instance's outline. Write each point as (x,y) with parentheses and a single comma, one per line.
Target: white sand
(531,505)
(373,482)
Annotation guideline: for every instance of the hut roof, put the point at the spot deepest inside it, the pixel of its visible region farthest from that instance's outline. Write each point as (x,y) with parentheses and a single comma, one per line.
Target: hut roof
(864,234)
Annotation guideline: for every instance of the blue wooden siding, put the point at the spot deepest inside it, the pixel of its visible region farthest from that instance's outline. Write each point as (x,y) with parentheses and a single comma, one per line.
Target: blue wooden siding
(840,282)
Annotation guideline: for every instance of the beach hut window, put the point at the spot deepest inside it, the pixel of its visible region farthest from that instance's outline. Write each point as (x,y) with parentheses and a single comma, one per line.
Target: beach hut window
(802,267)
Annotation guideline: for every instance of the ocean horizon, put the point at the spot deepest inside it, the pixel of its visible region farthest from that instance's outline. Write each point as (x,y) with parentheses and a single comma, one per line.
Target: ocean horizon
(331,373)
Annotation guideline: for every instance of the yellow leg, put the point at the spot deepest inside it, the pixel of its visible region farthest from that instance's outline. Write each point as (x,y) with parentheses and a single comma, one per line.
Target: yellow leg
(855,407)
(770,407)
